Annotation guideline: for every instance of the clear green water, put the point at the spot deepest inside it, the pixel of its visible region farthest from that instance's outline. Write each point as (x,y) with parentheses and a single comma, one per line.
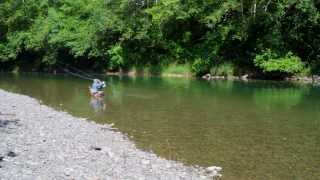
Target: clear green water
(254,130)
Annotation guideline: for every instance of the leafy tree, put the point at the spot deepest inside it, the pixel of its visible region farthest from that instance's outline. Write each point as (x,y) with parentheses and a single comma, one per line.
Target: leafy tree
(118,34)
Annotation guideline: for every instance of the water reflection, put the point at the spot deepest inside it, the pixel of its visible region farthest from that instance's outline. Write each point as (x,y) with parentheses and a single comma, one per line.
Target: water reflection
(283,98)
(97,104)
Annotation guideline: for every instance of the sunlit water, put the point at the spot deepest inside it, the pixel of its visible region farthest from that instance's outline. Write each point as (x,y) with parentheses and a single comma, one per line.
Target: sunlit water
(254,130)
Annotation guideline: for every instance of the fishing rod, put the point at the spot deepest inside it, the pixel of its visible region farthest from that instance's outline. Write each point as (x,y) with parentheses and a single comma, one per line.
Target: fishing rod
(77,75)
(84,76)
(80,74)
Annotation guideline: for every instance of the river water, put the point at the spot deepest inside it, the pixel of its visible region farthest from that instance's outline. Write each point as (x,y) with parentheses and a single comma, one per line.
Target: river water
(253,130)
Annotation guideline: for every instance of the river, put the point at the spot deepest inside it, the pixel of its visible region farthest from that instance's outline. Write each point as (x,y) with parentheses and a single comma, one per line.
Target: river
(253,130)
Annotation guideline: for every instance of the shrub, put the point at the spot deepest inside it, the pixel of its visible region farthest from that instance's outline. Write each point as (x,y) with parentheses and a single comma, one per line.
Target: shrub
(155,69)
(306,71)
(200,66)
(269,61)
(177,69)
(225,69)
(116,57)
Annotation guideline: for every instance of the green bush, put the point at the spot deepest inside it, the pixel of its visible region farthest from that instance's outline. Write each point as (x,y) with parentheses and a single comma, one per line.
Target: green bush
(200,66)
(269,61)
(116,57)
(155,69)
(225,69)
(306,71)
(146,70)
(183,69)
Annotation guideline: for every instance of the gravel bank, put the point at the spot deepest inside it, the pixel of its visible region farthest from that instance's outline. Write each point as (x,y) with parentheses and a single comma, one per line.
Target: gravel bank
(38,142)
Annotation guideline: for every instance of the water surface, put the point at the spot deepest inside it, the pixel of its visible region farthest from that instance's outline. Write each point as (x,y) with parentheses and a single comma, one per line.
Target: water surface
(254,130)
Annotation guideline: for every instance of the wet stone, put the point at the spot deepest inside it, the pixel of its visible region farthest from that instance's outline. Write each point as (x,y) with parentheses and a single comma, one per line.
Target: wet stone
(4,123)
(96,148)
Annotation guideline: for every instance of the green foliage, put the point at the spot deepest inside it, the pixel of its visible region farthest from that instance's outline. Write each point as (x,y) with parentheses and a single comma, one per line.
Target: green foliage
(305,72)
(268,61)
(200,66)
(129,33)
(177,69)
(6,53)
(225,69)
(116,57)
(301,30)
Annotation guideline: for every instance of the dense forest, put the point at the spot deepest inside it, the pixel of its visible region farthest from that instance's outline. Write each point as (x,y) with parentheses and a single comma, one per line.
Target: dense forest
(221,37)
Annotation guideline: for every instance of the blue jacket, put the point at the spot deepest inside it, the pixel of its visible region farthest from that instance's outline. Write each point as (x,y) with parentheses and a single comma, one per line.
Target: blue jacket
(97,85)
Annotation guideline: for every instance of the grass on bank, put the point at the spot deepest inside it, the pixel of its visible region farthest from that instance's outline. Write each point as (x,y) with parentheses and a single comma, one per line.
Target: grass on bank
(162,70)
(225,69)
(177,69)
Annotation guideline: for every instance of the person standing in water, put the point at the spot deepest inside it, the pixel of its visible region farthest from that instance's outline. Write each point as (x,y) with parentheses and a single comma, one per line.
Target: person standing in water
(97,87)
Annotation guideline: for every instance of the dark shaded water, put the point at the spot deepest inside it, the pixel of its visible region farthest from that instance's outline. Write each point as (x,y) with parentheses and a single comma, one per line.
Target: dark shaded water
(254,130)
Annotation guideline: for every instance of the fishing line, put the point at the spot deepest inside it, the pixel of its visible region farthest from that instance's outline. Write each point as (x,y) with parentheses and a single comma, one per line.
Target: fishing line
(77,75)
(81,74)
(86,75)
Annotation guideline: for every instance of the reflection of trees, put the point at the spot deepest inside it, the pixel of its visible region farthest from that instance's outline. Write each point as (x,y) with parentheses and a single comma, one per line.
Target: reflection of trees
(285,98)
(223,86)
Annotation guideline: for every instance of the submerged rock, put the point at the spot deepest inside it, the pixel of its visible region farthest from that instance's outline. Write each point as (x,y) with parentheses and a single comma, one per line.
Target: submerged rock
(244,77)
(214,171)
(213,168)
(207,76)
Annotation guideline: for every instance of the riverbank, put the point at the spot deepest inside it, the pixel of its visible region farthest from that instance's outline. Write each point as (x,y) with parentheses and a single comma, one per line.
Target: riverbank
(315,79)
(305,79)
(40,142)
(312,79)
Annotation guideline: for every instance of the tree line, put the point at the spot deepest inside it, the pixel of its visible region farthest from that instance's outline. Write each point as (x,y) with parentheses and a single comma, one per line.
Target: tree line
(266,37)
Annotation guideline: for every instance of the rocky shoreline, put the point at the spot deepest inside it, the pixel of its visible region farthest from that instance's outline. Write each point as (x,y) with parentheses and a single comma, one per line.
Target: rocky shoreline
(314,79)
(304,79)
(38,142)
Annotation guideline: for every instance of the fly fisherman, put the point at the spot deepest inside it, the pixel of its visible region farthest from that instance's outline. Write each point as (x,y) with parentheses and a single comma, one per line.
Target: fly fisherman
(97,87)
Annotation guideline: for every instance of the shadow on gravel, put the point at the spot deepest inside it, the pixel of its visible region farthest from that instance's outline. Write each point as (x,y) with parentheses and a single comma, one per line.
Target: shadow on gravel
(5,123)
(11,154)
